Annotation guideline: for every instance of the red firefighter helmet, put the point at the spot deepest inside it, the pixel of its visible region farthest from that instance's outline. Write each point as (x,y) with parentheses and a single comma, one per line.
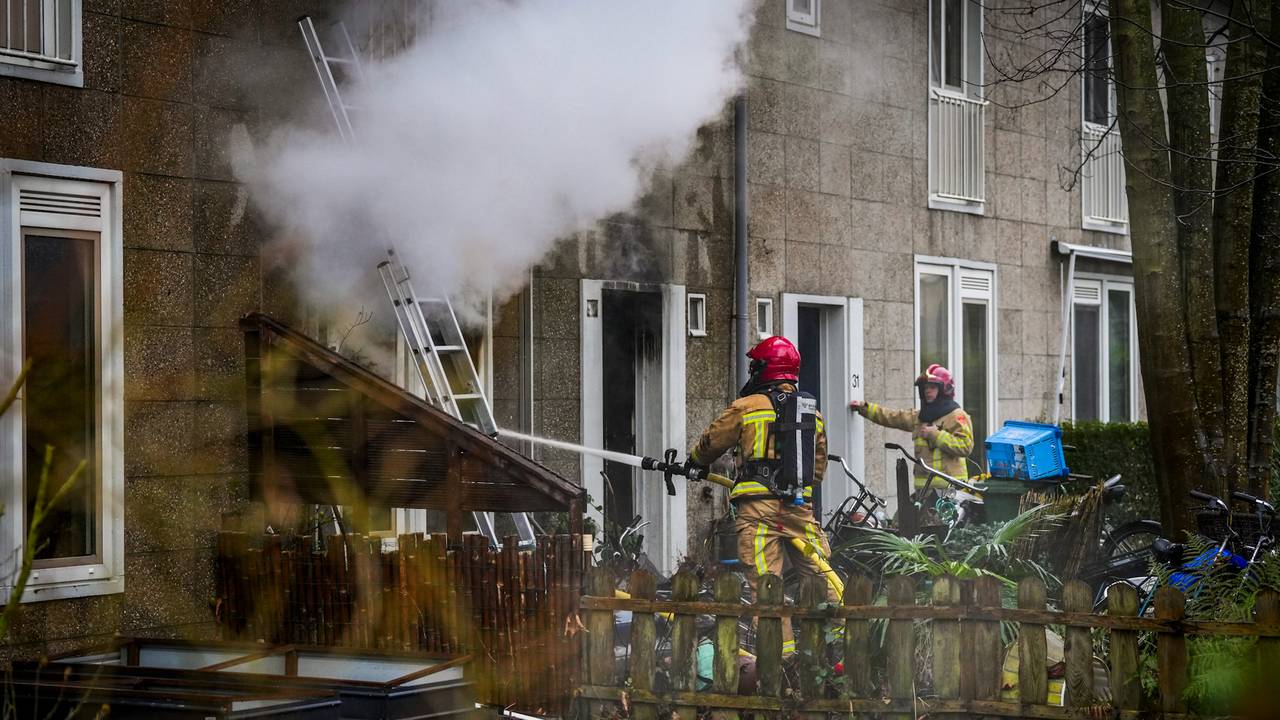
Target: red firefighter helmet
(774,358)
(940,376)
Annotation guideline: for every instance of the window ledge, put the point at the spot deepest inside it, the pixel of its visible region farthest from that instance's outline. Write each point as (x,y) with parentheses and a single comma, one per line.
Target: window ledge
(66,590)
(43,74)
(937,202)
(1106,226)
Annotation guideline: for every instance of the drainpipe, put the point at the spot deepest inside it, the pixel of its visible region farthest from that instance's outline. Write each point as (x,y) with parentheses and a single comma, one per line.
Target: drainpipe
(1068,296)
(741,314)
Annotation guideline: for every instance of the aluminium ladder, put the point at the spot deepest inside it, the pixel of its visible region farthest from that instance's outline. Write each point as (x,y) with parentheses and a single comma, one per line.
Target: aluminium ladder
(429,325)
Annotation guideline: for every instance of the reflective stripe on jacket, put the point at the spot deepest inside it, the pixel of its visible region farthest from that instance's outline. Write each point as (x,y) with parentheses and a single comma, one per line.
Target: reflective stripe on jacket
(746,425)
(949,448)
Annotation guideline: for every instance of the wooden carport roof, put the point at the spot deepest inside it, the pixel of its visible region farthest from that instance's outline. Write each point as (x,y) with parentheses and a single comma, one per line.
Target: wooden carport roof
(323,429)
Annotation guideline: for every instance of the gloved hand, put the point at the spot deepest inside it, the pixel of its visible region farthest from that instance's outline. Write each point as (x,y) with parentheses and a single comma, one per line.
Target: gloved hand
(693,470)
(858,406)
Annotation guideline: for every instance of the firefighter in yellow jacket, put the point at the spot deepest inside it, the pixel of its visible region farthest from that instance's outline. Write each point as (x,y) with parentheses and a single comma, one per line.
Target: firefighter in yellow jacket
(940,430)
(781,453)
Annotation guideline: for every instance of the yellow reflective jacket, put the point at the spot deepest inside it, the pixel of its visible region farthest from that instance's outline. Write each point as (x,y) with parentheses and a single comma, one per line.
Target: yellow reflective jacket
(746,425)
(949,448)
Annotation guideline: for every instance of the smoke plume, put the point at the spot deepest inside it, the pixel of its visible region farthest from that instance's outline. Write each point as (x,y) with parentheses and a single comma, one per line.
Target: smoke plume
(503,127)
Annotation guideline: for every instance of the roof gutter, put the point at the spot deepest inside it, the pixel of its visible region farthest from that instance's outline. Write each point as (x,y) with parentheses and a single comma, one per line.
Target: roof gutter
(1071,251)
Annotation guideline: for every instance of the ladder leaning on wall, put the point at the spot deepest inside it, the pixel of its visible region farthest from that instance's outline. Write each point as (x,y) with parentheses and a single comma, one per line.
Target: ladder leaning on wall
(428,325)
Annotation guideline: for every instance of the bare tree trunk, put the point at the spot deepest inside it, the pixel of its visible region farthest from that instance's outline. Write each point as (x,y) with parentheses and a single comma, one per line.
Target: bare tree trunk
(1191,169)
(1162,328)
(1264,276)
(1232,221)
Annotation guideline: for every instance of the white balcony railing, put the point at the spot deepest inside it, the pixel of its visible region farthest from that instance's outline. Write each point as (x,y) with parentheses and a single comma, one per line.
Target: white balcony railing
(1102,178)
(37,32)
(957,153)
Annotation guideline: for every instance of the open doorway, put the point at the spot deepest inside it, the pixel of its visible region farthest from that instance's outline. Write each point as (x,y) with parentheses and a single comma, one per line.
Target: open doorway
(632,422)
(633,400)
(827,330)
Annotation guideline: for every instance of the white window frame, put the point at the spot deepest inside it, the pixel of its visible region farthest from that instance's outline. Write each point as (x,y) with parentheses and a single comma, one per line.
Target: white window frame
(697,314)
(956,270)
(764,317)
(1102,284)
(809,23)
(107,575)
(969,94)
(60,71)
(1101,140)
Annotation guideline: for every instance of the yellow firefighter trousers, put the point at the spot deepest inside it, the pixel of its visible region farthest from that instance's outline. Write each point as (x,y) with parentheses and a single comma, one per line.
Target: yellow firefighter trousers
(765,528)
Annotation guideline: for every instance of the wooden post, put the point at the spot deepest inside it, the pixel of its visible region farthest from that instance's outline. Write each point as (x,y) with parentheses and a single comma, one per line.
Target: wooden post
(1267,612)
(857,639)
(809,641)
(908,523)
(1033,681)
(901,644)
(684,641)
(453,494)
(600,660)
(1076,597)
(728,590)
(1126,686)
(643,638)
(1171,651)
(946,642)
(769,591)
(988,650)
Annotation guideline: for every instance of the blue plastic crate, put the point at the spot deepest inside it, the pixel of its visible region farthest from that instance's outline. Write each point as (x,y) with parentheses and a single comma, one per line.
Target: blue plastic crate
(1026,451)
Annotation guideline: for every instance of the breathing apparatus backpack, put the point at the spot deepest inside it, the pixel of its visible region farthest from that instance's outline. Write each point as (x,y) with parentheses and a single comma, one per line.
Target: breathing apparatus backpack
(794,432)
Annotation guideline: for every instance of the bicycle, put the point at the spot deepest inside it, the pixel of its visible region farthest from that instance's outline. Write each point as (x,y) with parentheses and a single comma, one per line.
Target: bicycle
(962,506)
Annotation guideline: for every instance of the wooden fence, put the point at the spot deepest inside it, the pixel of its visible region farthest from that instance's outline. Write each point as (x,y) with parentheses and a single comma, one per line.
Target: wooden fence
(962,653)
(507,609)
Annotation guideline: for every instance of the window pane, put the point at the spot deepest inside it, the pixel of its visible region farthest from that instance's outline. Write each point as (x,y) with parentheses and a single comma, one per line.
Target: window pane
(1096,88)
(973,49)
(1087,368)
(935,43)
(1119,342)
(935,320)
(61,410)
(953,22)
(975,375)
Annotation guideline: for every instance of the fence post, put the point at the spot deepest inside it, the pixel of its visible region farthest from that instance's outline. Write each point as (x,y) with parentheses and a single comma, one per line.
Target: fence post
(1076,597)
(809,643)
(857,639)
(728,590)
(988,650)
(769,591)
(1267,612)
(1126,686)
(600,660)
(1171,651)
(684,641)
(901,643)
(643,638)
(946,642)
(1033,681)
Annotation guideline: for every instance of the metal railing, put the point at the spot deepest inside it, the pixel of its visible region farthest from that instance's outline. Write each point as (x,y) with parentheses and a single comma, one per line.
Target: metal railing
(37,31)
(1102,176)
(957,151)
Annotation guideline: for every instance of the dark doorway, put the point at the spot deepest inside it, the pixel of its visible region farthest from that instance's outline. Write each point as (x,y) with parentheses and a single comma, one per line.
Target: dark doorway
(809,343)
(632,327)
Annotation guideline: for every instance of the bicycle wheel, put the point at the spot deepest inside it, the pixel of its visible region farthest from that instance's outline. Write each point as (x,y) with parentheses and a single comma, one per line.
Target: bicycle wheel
(1132,538)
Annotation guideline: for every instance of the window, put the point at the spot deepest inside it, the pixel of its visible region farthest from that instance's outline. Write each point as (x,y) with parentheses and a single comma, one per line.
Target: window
(955,327)
(1104,366)
(805,16)
(764,317)
(956,108)
(1104,205)
(697,314)
(62,228)
(40,40)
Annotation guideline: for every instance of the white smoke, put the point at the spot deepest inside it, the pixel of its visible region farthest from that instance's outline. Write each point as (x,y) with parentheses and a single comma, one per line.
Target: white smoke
(504,127)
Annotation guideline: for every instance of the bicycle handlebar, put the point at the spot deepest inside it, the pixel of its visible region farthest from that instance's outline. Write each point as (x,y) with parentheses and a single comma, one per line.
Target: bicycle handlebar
(956,482)
(874,498)
(1216,501)
(1257,502)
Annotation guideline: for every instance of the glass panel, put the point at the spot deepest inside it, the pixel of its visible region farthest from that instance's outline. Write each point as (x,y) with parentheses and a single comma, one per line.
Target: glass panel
(976,370)
(953,46)
(935,42)
(63,29)
(973,49)
(1097,105)
(1087,366)
(1119,365)
(59,338)
(935,320)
